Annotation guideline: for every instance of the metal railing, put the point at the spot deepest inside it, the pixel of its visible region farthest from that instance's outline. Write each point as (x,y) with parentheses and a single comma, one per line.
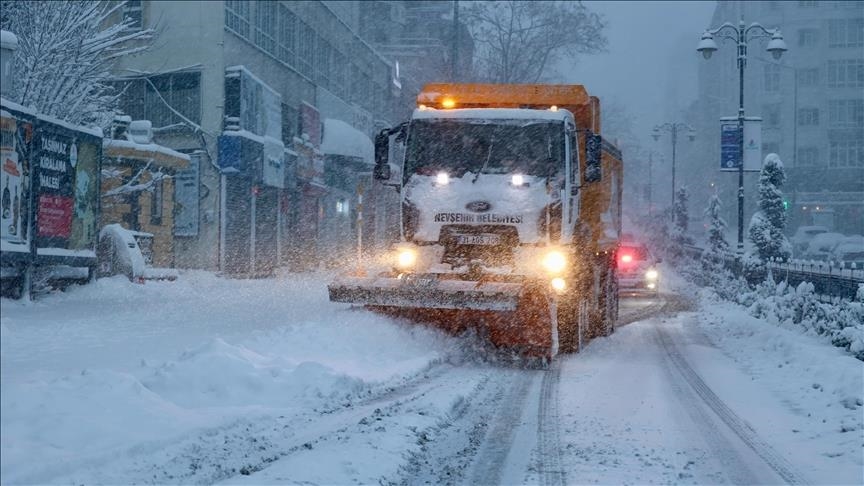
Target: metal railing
(834,279)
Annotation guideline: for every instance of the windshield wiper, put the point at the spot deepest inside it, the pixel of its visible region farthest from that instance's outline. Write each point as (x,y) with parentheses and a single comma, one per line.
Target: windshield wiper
(486,162)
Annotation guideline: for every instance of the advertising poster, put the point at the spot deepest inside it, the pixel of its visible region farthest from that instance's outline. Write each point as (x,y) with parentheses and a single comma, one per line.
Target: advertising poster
(16,134)
(66,184)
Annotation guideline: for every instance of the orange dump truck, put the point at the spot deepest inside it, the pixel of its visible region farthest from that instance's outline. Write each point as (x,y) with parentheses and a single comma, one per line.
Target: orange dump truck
(511,214)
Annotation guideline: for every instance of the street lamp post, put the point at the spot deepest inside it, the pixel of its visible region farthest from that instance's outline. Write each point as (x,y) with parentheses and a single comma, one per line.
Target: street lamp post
(673,128)
(741,35)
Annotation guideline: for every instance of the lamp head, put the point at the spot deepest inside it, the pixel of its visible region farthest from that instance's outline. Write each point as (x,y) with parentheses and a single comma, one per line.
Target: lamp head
(776,46)
(656,134)
(691,134)
(707,46)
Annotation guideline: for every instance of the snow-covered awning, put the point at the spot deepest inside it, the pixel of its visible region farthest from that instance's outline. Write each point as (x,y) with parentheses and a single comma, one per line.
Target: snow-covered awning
(158,154)
(341,138)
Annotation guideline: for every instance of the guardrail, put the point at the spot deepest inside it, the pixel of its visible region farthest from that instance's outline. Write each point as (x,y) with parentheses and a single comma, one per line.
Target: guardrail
(834,279)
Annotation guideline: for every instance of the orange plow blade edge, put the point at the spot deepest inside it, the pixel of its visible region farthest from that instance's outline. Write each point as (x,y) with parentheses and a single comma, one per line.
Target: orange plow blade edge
(516,316)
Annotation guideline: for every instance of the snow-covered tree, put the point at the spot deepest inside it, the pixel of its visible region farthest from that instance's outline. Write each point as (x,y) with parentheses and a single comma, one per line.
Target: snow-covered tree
(716,226)
(679,221)
(66,49)
(518,41)
(767,224)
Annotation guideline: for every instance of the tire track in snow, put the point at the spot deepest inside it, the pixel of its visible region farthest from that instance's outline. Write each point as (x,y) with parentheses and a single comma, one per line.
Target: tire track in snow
(736,424)
(492,456)
(548,426)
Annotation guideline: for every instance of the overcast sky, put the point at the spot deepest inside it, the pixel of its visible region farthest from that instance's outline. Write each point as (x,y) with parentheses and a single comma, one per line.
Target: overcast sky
(650,66)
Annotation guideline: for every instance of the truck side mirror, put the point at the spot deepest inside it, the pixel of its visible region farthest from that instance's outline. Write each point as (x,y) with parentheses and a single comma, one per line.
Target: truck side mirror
(593,171)
(382,153)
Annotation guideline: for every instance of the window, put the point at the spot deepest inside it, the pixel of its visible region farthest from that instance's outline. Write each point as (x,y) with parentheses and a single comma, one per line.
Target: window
(145,99)
(846,73)
(806,3)
(322,61)
(771,114)
(340,66)
(846,153)
(807,37)
(846,32)
(237,17)
(133,13)
(290,125)
(287,35)
(306,49)
(808,77)
(156,203)
(772,77)
(807,157)
(808,117)
(265,26)
(846,113)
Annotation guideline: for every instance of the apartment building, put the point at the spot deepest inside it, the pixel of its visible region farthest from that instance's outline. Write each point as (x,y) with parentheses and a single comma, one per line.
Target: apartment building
(245,89)
(811,102)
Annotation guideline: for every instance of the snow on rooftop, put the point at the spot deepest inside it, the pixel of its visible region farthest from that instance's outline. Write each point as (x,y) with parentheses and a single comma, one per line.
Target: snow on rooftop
(493,114)
(340,138)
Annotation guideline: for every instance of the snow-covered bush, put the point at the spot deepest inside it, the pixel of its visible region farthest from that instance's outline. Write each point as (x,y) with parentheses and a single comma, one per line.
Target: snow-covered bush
(767,224)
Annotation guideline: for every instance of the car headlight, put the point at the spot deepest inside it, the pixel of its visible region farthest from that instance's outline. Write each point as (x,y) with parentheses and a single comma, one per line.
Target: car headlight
(554,262)
(442,179)
(651,274)
(406,258)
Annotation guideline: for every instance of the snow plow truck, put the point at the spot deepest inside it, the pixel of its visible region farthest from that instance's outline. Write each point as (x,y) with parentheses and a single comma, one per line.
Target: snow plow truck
(510,217)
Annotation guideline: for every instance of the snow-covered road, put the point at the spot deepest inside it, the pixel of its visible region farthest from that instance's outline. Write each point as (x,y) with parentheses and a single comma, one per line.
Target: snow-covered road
(208,380)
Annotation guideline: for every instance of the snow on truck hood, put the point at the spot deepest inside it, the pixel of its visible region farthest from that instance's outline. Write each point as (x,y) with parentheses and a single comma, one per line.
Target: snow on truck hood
(493,114)
(508,205)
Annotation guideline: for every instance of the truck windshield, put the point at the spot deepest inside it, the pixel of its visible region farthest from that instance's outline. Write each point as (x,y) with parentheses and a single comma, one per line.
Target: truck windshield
(500,147)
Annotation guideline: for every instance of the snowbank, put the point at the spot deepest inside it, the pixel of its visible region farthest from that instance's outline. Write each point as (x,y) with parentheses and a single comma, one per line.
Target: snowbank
(96,376)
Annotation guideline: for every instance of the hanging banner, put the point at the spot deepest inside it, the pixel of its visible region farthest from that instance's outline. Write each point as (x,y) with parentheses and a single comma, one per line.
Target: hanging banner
(752,144)
(730,140)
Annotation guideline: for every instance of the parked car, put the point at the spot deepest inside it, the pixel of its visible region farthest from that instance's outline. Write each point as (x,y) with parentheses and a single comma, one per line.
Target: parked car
(637,269)
(802,237)
(850,250)
(821,247)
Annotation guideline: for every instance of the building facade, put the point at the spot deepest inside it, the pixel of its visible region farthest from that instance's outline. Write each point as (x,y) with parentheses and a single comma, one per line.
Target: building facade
(244,89)
(812,107)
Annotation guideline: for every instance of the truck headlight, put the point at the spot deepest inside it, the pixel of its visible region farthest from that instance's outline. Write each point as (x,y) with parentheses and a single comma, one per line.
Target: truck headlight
(442,179)
(651,275)
(559,285)
(554,262)
(406,258)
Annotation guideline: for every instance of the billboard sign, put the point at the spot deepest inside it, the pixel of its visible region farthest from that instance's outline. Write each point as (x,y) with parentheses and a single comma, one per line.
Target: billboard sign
(17,133)
(66,183)
(730,140)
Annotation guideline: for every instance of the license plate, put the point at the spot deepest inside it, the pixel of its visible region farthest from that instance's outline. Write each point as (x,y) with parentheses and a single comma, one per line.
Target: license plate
(478,239)
(421,281)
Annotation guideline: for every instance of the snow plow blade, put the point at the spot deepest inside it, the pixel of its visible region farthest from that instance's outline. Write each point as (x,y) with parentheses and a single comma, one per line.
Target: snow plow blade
(426,293)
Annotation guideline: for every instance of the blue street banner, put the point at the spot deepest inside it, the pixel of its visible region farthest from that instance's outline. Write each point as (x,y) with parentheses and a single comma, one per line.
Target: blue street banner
(730,140)
(730,145)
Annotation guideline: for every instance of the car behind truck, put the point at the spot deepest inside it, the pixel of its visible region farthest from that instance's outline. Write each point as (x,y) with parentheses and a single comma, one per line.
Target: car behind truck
(510,219)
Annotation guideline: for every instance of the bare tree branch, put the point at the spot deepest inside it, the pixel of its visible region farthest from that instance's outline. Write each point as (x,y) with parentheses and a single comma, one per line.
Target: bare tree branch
(517,41)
